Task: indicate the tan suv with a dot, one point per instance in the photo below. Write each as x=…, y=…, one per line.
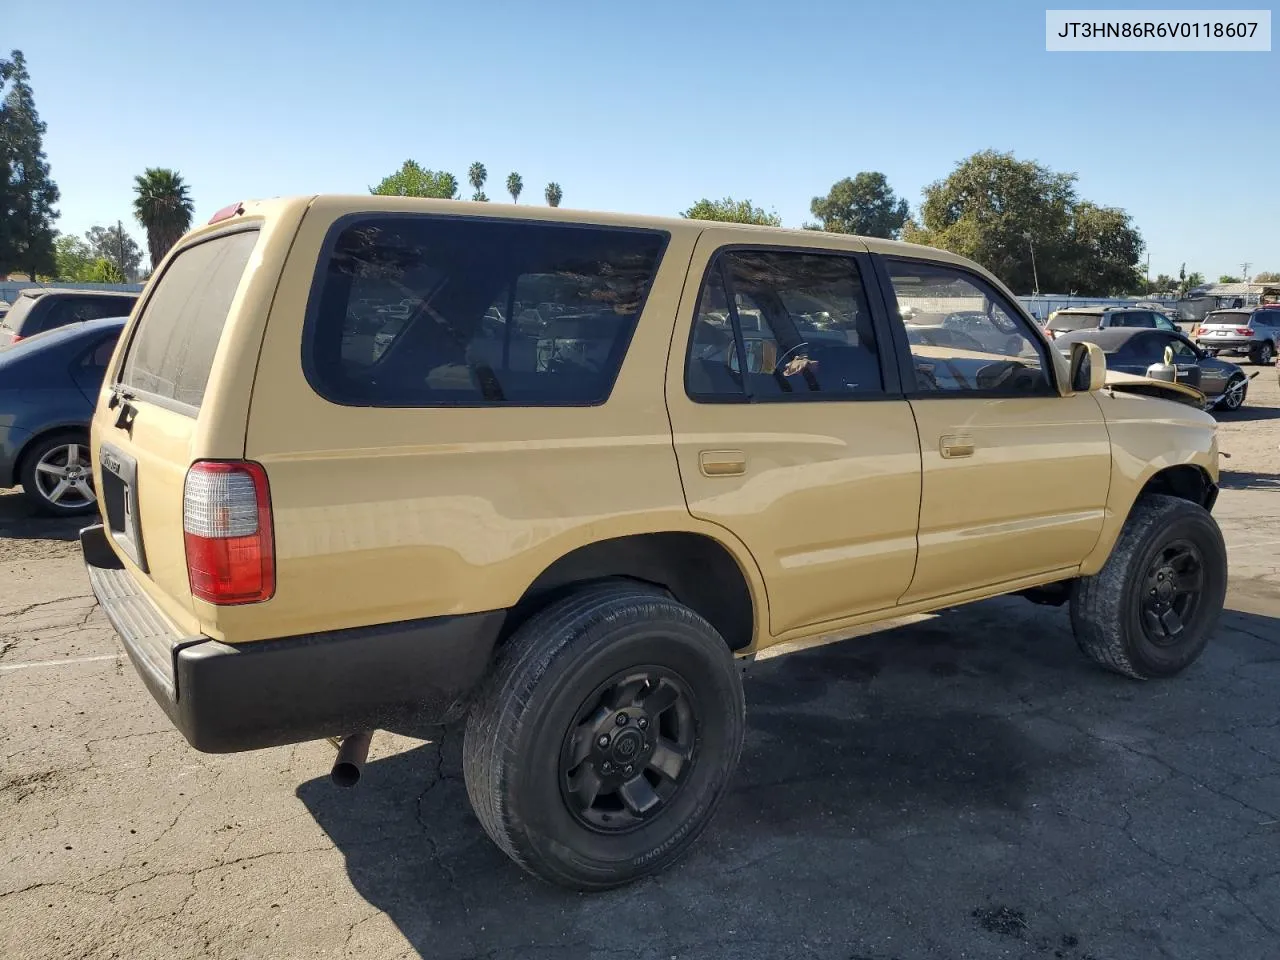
x=365, y=462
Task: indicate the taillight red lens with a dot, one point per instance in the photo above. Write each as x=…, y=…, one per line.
x=226, y=522
x=15, y=337
x=1244, y=331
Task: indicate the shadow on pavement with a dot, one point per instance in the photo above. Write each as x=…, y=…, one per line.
x=965, y=786
x=18, y=519
x=1245, y=480
x=1248, y=413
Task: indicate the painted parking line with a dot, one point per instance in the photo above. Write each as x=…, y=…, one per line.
x=10, y=667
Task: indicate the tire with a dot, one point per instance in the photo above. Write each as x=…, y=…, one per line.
x=1235, y=392
x=40, y=484
x=518, y=745
x=1108, y=615
x=1263, y=354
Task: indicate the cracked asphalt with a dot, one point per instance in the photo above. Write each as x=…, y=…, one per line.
x=964, y=785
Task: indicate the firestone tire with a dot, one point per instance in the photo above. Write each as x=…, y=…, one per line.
x=1129, y=617
x=553, y=679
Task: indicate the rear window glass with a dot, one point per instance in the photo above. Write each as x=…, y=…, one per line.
x=1074, y=321
x=426, y=311
x=17, y=315
x=172, y=350
x=1228, y=319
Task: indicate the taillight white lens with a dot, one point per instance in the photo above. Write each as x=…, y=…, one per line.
x=226, y=521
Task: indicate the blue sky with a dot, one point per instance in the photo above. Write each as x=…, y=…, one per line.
x=647, y=107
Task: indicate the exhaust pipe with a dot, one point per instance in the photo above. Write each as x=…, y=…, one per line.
x=353, y=750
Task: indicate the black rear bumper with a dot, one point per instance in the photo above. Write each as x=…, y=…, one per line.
x=231, y=697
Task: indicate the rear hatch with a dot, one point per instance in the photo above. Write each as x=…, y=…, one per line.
x=178, y=391
x=12, y=323
x=1226, y=326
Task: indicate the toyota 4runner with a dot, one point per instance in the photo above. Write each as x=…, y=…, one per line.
x=367, y=462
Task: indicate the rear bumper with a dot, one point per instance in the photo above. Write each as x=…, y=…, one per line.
x=226, y=698
x=1233, y=344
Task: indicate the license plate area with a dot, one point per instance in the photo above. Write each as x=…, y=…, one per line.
x=120, y=502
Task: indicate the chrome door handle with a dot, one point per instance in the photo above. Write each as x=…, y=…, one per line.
x=952, y=446
x=722, y=463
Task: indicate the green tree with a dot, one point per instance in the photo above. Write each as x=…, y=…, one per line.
x=72, y=258
x=163, y=206
x=554, y=194
x=729, y=210
x=1105, y=250
x=1163, y=283
x=864, y=205
x=113, y=243
x=1227, y=278
x=1195, y=280
x=102, y=270
x=1266, y=276
x=515, y=184
x=1024, y=222
x=476, y=176
x=28, y=192
x=414, y=180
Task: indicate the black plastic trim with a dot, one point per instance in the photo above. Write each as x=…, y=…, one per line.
x=226, y=698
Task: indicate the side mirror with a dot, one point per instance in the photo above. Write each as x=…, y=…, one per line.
x=1088, y=367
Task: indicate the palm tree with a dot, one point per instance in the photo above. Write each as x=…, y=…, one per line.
x=514, y=185
x=477, y=174
x=163, y=206
x=554, y=194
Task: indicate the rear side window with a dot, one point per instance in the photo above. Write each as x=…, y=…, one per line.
x=416, y=311
x=1135, y=319
x=171, y=353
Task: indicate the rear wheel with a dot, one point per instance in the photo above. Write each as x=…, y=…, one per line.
x=1263, y=353
x=605, y=737
x=1151, y=609
x=57, y=475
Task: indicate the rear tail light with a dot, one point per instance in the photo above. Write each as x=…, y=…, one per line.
x=15, y=337
x=226, y=522
x=1244, y=331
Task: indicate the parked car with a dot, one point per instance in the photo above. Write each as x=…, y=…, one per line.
x=304, y=538
x=39, y=309
x=48, y=387
x=1100, y=318
x=1132, y=350
x=1254, y=331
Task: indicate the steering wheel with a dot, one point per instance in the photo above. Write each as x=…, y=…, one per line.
x=1006, y=373
x=781, y=363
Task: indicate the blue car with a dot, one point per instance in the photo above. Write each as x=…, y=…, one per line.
x=48, y=388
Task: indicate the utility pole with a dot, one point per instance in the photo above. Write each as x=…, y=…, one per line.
x=1148, y=290
x=120, y=249
x=1035, y=277
x=1244, y=271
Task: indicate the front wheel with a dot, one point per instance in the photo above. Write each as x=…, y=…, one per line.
x=1150, y=610
x=605, y=737
x=1234, y=393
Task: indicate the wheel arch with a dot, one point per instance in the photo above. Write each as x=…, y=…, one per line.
x=1186, y=481
x=20, y=458
x=699, y=570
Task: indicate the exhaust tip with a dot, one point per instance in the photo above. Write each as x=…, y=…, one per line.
x=345, y=774
x=352, y=753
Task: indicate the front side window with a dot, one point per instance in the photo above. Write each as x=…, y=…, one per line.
x=1000, y=354
x=417, y=311
x=774, y=325
x=1135, y=318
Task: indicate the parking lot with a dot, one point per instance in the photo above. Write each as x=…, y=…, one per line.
x=964, y=785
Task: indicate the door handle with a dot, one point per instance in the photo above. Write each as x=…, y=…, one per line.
x=722, y=463
x=952, y=446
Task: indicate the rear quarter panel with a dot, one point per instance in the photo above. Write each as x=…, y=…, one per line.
x=385, y=514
